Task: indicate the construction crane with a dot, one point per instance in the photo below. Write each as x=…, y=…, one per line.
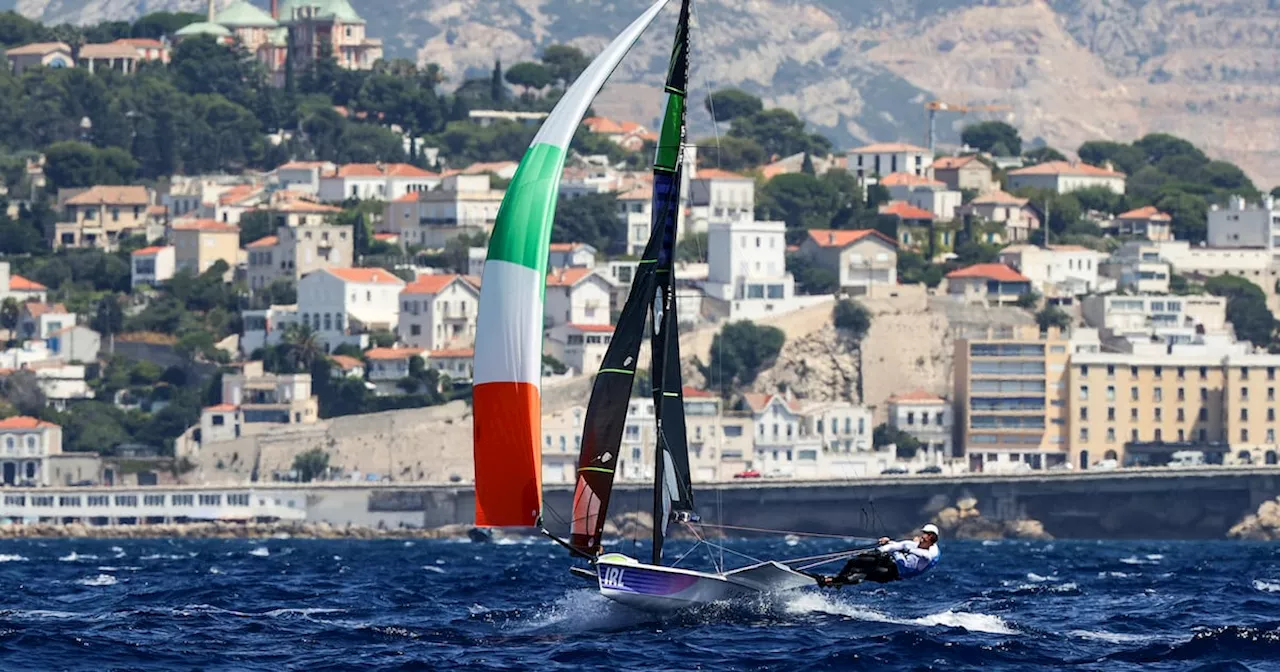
x=936, y=106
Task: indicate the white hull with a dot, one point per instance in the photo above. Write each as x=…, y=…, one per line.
x=657, y=588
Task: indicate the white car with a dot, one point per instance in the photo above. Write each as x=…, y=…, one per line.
x=1105, y=465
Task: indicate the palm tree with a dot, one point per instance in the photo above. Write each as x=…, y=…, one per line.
x=302, y=346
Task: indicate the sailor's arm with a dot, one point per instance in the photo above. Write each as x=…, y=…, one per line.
x=895, y=547
x=926, y=553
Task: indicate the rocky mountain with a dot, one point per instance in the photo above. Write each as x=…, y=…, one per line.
x=1070, y=70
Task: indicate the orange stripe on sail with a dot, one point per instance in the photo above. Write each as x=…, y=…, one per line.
x=508, y=454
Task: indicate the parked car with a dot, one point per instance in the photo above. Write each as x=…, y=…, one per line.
x=750, y=473
x=778, y=473
x=931, y=469
x=1062, y=466
x=1187, y=458
x=894, y=470
x=1106, y=465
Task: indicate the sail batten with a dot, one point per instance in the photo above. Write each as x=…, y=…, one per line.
x=508, y=354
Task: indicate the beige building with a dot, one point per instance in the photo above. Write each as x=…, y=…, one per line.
x=270, y=397
x=1015, y=213
x=1147, y=222
x=462, y=204
x=1067, y=176
x=964, y=172
x=102, y=215
x=297, y=249
x=47, y=54
x=438, y=312
x=1010, y=409
x=26, y=444
x=863, y=260
x=119, y=56
x=199, y=243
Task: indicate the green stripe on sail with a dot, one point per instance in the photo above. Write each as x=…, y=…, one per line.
x=668, y=155
x=522, y=232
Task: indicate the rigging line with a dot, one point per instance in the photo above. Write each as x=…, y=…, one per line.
x=730, y=550
x=840, y=553
x=798, y=533
x=697, y=21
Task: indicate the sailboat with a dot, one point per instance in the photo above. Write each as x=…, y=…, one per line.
x=508, y=356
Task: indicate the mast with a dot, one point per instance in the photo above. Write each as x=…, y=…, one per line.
x=507, y=395
x=672, y=490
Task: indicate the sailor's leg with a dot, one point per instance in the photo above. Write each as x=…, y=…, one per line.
x=884, y=571
x=854, y=571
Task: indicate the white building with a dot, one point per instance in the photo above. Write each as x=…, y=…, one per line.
x=438, y=312
x=61, y=382
x=1138, y=266
x=1241, y=224
x=19, y=288
x=824, y=440
x=456, y=363
x=747, y=274
x=389, y=366
x=1016, y=213
x=75, y=344
x=883, y=158
x=339, y=302
x=463, y=204
x=1066, y=176
x=1169, y=318
x=152, y=265
x=928, y=418
x=219, y=423
x=576, y=296
x=580, y=346
x=1056, y=270
x=265, y=327
x=262, y=397
x=303, y=176
x=571, y=255
x=923, y=192
x=25, y=446
x=719, y=196
x=39, y=320
x=635, y=210
x=375, y=181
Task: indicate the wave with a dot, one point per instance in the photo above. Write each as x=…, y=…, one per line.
x=1148, y=560
x=1109, y=637
x=1032, y=576
x=811, y=602
x=433, y=568
x=12, y=558
x=1266, y=586
x=99, y=580
x=76, y=557
x=125, y=568
x=260, y=552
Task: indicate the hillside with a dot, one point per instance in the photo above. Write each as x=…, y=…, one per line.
x=1071, y=69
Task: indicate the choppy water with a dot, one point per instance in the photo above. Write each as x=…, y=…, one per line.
x=314, y=605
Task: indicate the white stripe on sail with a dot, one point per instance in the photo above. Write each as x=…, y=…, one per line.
x=509, y=325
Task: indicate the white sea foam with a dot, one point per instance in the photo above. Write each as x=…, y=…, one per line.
x=118, y=551
x=215, y=570
x=260, y=552
x=1110, y=637
x=1135, y=560
x=1115, y=575
x=124, y=568
x=585, y=610
x=433, y=568
x=1266, y=586
x=991, y=542
x=160, y=556
x=76, y=557
x=12, y=558
x=99, y=580
x=1032, y=576
x=810, y=602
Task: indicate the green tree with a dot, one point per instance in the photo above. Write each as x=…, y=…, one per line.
x=535, y=76
x=9, y=313
x=497, y=90
x=255, y=225
x=852, y=318
x=802, y=201
x=565, y=62
x=731, y=152
x=158, y=24
x=692, y=248
x=1042, y=155
x=1246, y=308
x=811, y=278
x=302, y=347
x=591, y=219
x=730, y=104
x=311, y=464
x=740, y=352
x=71, y=164
x=994, y=137
x=1053, y=316
x=780, y=133
x=1126, y=158
x=885, y=435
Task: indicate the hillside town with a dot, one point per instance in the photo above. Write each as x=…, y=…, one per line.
x=208, y=311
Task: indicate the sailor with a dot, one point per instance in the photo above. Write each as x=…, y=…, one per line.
x=890, y=561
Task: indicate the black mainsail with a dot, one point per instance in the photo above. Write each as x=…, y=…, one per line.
x=652, y=288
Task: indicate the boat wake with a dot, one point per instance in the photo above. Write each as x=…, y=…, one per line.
x=817, y=603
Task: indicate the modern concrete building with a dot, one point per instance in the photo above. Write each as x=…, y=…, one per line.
x=883, y=158
x=1138, y=266
x=1067, y=176
x=1162, y=317
x=747, y=276
x=1241, y=224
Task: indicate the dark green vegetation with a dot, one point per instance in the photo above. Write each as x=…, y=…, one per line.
x=739, y=353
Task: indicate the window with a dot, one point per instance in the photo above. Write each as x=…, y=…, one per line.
x=1133, y=435
x=98, y=500
x=1204, y=373
x=1244, y=394
x=1133, y=372
x=210, y=500
x=911, y=418
x=1182, y=415
x=1271, y=436
x=1084, y=413
x=1084, y=393
x=1271, y=394
x=1204, y=415
x=1111, y=393
x=126, y=500
x=241, y=499
x=1084, y=370
x=1133, y=394
x=1244, y=414
x=1159, y=394
x=1111, y=414
x=1133, y=414
x=1182, y=394
x=1182, y=372
x=1111, y=435
x=1244, y=435
x=69, y=500
x=1244, y=373
x=1084, y=434
x=1204, y=394
x=1111, y=371
x=153, y=500
x=1159, y=414
x=1159, y=370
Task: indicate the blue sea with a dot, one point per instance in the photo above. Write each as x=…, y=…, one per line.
x=287, y=604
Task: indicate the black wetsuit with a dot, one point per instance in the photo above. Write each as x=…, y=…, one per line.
x=872, y=566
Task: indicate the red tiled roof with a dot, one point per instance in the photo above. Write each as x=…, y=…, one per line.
x=591, y=328
x=345, y=362
x=408, y=197
x=1149, y=213
x=379, y=276
x=37, y=48
x=998, y=272
x=392, y=353
x=148, y=251
x=908, y=180
x=602, y=125
x=265, y=241
x=917, y=396
x=1066, y=168
x=238, y=193
x=904, y=210
x=381, y=170
x=37, y=309
x=642, y=192
x=758, y=402
x=304, y=206
x=695, y=393
x=998, y=197
x=429, y=284
x=220, y=408
x=21, y=284
x=567, y=277
x=207, y=225
x=456, y=353
x=25, y=422
x=841, y=238
x=717, y=174
x=387, y=237
x=483, y=167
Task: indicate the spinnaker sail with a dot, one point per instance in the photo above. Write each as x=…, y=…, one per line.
x=508, y=354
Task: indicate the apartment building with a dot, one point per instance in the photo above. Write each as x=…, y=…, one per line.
x=152, y=265
x=341, y=302
x=101, y=216
x=438, y=312
x=199, y=244
x=747, y=274
x=1067, y=176
x=375, y=181
x=1010, y=405
x=26, y=444
x=1056, y=270
x=1139, y=266
x=717, y=196
x=964, y=172
x=261, y=397
x=460, y=205
x=1164, y=317
x=883, y=158
x=299, y=247
x=1146, y=222
x=927, y=417
x=994, y=284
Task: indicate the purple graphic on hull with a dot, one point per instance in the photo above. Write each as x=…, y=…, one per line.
x=643, y=581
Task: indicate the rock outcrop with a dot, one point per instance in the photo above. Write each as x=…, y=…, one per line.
x=1261, y=526
x=965, y=521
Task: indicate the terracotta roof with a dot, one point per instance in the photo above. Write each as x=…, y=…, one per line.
x=207, y=225
x=37, y=309
x=1066, y=168
x=1149, y=213
x=918, y=396
x=429, y=284
x=717, y=174
x=392, y=353
x=953, y=162
x=998, y=272
x=345, y=362
x=758, y=402
x=25, y=422
x=37, y=48
x=888, y=148
x=238, y=193
x=157, y=209
x=456, y=353
x=643, y=192
x=265, y=241
x=108, y=50
x=379, y=276
x=111, y=195
x=473, y=280
x=220, y=408
x=567, y=277
x=387, y=237
x=904, y=210
x=148, y=251
x=381, y=170
x=21, y=284
x=998, y=197
x=602, y=125
x=592, y=328
x=565, y=247
x=304, y=206
x=908, y=180
x=841, y=238
x=695, y=393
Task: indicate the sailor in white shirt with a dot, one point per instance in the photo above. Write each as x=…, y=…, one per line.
x=890, y=561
